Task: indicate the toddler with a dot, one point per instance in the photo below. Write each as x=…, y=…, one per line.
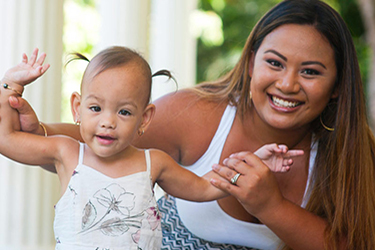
x=107, y=199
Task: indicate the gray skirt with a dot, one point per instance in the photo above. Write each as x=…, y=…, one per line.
x=177, y=237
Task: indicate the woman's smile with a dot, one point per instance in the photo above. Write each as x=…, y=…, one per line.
x=283, y=103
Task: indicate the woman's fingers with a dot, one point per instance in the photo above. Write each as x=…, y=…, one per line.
x=226, y=173
x=249, y=180
x=226, y=187
x=28, y=119
x=244, y=156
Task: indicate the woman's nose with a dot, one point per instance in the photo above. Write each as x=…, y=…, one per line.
x=289, y=84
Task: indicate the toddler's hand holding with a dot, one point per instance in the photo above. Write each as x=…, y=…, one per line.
x=277, y=157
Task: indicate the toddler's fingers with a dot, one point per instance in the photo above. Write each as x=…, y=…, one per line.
x=285, y=169
x=44, y=68
x=293, y=153
x=287, y=162
x=33, y=56
x=24, y=58
x=41, y=58
x=284, y=148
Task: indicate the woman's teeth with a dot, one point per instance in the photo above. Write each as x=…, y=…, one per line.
x=283, y=103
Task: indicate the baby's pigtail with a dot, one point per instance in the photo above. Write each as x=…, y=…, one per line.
x=76, y=56
x=166, y=73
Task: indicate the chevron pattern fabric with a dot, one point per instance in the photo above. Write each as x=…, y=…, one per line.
x=177, y=237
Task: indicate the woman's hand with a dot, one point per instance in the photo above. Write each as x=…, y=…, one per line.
x=256, y=187
x=28, y=118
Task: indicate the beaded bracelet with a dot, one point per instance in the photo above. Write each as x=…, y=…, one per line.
x=6, y=86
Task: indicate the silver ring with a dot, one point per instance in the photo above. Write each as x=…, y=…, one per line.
x=235, y=178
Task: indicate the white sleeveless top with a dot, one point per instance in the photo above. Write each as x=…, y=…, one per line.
x=100, y=212
x=207, y=220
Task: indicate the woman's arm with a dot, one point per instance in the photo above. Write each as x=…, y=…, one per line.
x=183, y=126
x=19, y=146
x=258, y=192
x=29, y=121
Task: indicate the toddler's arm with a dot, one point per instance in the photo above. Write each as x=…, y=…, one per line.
x=22, y=147
x=182, y=183
x=277, y=157
x=14, y=80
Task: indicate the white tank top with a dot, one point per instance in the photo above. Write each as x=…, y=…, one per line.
x=100, y=212
x=207, y=220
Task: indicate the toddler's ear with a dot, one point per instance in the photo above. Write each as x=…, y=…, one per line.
x=147, y=116
x=75, y=103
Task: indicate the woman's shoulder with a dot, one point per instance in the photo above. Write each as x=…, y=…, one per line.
x=187, y=101
x=183, y=125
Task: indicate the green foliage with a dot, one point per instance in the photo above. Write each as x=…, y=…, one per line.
x=352, y=16
x=239, y=17
x=80, y=35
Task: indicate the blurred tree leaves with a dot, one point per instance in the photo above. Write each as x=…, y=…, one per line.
x=81, y=34
x=238, y=17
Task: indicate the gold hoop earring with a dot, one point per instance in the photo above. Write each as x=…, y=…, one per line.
x=77, y=122
x=141, y=132
x=324, y=126
x=250, y=95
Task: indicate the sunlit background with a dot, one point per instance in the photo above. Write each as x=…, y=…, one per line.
x=198, y=40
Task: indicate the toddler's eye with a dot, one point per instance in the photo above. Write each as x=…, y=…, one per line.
x=124, y=112
x=95, y=108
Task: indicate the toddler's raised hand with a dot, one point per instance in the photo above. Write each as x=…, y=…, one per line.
x=277, y=157
x=28, y=70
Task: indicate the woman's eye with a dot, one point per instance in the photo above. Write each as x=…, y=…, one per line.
x=95, y=108
x=124, y=112
x=274, y=63
x=310, y=72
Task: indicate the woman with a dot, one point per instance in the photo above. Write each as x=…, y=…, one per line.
x=297, y=83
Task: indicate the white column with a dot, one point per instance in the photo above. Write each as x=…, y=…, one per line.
x=124, y=23
x=27, y=194
x=172, y=46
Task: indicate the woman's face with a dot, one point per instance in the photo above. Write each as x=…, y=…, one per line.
x=292, y=75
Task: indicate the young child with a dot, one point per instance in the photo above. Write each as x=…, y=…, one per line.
x=107, y=199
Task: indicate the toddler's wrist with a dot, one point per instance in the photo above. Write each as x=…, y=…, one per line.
x=12, y=86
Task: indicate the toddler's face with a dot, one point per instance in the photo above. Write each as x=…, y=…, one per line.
x=111, y=109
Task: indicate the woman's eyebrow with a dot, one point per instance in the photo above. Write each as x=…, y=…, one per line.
x=276, y=53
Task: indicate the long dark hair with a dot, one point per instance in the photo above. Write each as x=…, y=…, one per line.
x=343, y=187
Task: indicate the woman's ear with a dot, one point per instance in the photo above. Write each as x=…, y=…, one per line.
x=75, y=103
x=147, y=116
x=335, y=93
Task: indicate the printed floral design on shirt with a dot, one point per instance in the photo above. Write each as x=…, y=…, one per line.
x=115, y=199
x=154, y=218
